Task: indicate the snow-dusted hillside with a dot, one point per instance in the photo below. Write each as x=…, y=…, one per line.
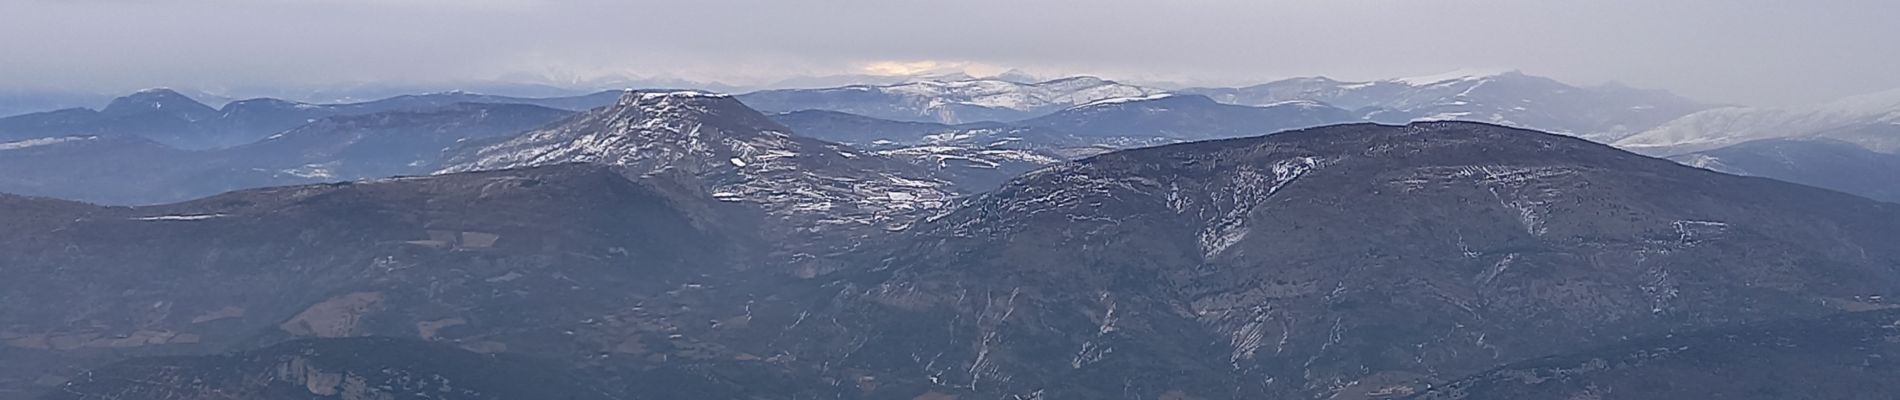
x=1858, y=119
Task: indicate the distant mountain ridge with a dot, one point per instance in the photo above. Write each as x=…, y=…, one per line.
x=1823, y=163
x=986, y=154
x=1602, y=113
x=130, y=169
x=171, y=118
x=1872, y=121
x=948, y=101
x=1508, y=97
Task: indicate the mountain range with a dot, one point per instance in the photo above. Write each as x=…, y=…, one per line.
x=415, y=134
x=654, y=245
x=952, y=238
x=1604, y=113
x=130, y=169
x=984, y=154
x=173, y=119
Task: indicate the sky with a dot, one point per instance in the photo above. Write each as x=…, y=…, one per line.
x=1755, y=52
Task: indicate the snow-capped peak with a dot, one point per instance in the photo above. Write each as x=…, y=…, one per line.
x=740, y=154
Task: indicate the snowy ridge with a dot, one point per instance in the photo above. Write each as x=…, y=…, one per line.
x=1120, y=100
x=681, y=93
x=179, y=217
x=1016, y=96
x=21, y=144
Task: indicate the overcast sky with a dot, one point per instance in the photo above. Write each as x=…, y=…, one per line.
x=1736, y=51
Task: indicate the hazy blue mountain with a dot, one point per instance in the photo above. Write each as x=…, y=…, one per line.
x=25, y=101
x=858, y=130
x=1824, y=163
x=983, y=155
x=176, y=120
x=129, y=169
x=1185, y=118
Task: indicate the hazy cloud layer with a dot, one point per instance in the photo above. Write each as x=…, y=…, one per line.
x=1745, y=51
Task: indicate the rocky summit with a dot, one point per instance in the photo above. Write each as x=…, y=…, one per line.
x=829, y=194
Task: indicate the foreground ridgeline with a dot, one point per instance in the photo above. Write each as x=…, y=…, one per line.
x=1846, y=356
x=681, y=245
x=341, y=368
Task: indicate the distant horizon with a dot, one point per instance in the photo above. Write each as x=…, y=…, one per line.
x=217, y=97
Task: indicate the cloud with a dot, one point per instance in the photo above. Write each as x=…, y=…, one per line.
x=901, y=67
x=922, y=67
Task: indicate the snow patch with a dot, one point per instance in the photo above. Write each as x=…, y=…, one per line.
x=179, y=217
x=1120, y=100
x=43, y=142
